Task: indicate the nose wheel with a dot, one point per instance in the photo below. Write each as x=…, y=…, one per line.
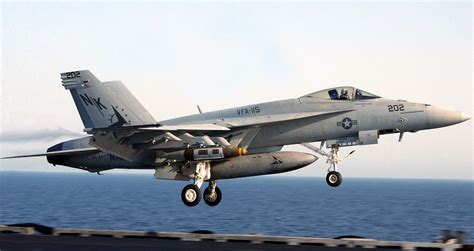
x=334, y=178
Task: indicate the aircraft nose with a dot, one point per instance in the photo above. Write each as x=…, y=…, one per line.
x=440, y=117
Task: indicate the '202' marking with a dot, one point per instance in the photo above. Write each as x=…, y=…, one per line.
x=396, y=108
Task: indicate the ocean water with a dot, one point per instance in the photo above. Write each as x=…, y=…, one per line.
x=385, y=209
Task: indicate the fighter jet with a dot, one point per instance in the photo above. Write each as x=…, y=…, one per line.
x=232, y=143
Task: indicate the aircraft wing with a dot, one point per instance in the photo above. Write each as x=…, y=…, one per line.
x=58, y=153
x=133, y=142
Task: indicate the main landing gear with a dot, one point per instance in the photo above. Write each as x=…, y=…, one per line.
x=191, y=194
x=333, y=178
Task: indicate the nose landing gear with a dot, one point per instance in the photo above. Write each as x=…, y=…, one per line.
x=333, y=178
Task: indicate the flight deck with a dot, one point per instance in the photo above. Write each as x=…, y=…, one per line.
x=38, y=237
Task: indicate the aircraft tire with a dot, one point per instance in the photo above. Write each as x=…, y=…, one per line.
x=215, y=201
x=334, y=178
x=191, y=195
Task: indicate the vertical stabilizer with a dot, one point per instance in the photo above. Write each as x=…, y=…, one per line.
x=108, y=104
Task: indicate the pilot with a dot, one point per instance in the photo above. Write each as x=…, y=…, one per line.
x=344, y=95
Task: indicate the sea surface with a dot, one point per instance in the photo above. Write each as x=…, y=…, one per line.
x=384, y=209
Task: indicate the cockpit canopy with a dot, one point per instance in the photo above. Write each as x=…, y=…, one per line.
x=342, y=93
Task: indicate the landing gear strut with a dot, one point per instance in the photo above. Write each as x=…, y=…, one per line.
x=191, y=194
x=333, y=178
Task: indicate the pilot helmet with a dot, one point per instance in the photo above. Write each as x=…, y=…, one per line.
x=344, y=91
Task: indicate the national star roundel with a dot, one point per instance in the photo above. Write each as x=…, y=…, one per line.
x=347, y=123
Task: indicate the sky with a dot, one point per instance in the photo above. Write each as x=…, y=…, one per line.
x=174, y=56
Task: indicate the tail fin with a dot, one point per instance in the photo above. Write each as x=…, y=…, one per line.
x=108, y=104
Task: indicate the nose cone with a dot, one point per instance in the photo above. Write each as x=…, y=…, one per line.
x=440, y=117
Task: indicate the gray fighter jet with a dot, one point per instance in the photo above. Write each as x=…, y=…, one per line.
x=231, y=143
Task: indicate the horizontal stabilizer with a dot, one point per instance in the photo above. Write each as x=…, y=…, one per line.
x=58, y=153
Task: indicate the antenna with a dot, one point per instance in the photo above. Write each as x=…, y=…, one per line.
x=199, y=109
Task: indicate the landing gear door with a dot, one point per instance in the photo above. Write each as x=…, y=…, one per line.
x=368, y=137
x=363, y=138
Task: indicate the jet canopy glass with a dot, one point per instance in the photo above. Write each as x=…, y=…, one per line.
x=342, y=93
